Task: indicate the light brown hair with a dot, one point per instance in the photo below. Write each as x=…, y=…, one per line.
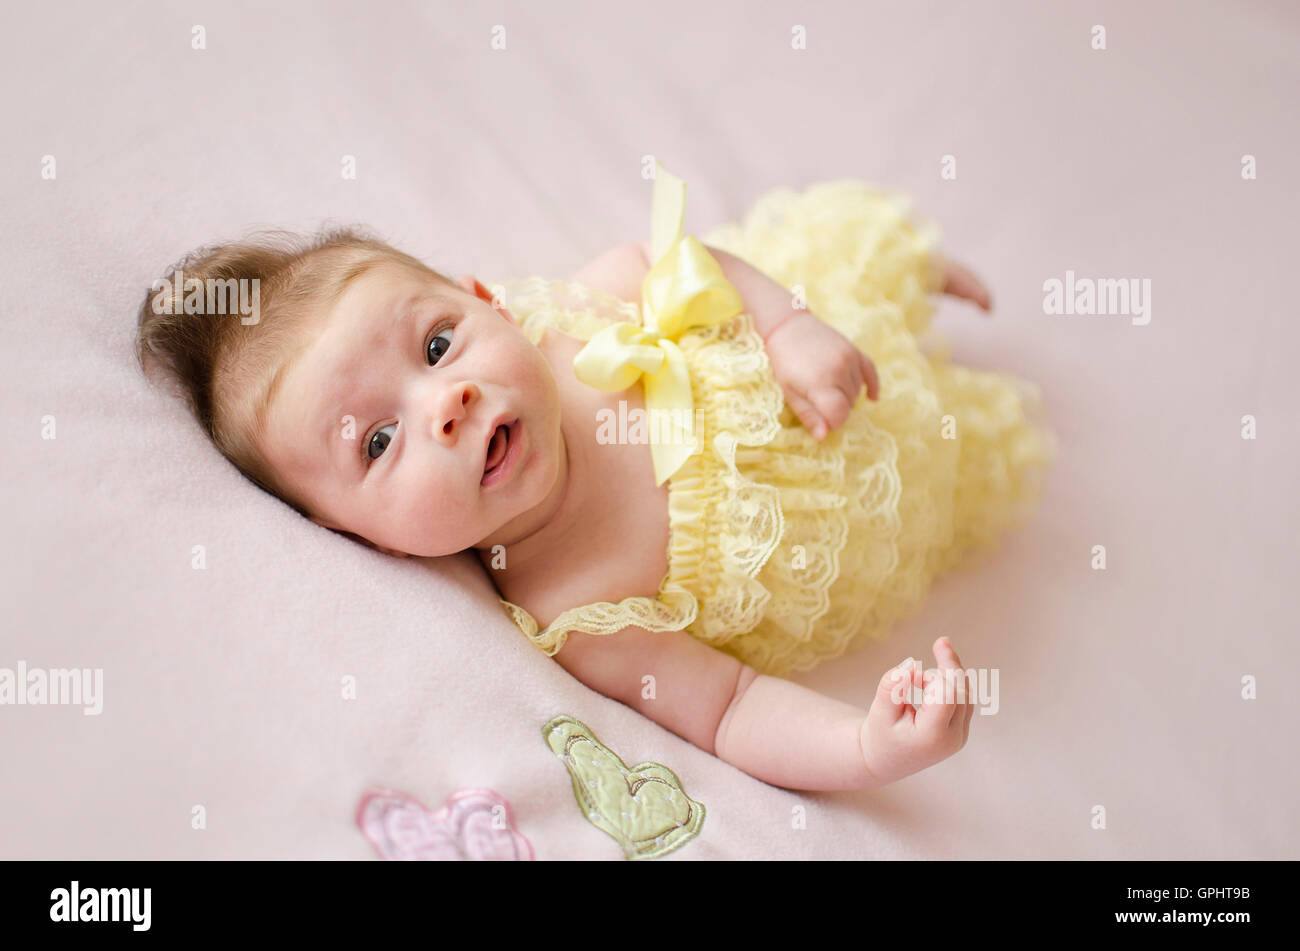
x=229, y=369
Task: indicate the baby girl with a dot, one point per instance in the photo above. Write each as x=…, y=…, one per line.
x=776, y=517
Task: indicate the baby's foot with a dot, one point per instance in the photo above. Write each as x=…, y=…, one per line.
x=960, y=281
x=898, y=738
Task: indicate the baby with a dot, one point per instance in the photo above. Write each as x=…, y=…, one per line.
x=423, y=416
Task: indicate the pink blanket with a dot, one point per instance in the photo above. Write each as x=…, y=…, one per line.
x=261, y=675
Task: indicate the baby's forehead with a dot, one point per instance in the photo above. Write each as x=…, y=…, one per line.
x=375, y=279
x=334, y=351
x=383, y=307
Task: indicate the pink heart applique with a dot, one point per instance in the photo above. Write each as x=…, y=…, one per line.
x=475, y=824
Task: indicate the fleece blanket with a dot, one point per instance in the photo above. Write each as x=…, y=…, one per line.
x=269, y=689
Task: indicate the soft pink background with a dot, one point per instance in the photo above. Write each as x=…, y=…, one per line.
x=1118, y=688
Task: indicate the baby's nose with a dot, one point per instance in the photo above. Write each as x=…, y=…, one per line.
x=452, y=411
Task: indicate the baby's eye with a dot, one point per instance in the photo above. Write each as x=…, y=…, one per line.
x=379, y=441
x=438, y=346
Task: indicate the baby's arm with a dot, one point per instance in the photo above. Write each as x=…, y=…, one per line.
x=619, y=271
x=622, y=269
x=775, y=730
x=821, y=373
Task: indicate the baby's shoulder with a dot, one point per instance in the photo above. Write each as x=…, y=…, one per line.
x=573, y=308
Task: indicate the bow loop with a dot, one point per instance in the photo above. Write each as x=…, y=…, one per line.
x=684, y=290
x=615, y=357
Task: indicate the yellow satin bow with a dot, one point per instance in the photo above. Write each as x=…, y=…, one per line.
x=684, y=290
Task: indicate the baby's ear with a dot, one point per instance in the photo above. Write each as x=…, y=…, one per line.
x=474, y=286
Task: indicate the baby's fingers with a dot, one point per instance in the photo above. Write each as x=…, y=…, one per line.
x=940, y=699
x=808, y=414
x=955, y=685
x=832, y=406
x=870, y=375
x=894, y=692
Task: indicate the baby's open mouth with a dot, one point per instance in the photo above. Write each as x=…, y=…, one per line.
x=498, y=446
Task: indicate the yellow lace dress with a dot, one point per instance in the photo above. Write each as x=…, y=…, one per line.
x=784, y=550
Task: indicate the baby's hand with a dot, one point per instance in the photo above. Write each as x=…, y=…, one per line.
x=899, y=739
x=820, y=370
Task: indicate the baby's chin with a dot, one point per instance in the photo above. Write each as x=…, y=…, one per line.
x=409, y=548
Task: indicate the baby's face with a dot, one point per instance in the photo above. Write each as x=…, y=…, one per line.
x=384, y=425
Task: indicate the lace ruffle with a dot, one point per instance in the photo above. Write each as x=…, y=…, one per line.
x=573, y=309
x=784, y=551
x=725, y=523
x=943, y=464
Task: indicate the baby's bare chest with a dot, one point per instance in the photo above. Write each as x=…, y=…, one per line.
x=618, y=546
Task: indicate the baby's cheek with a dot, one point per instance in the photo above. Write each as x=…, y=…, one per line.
x=541, y=378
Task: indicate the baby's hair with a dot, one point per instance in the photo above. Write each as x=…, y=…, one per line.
x=228, y=366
